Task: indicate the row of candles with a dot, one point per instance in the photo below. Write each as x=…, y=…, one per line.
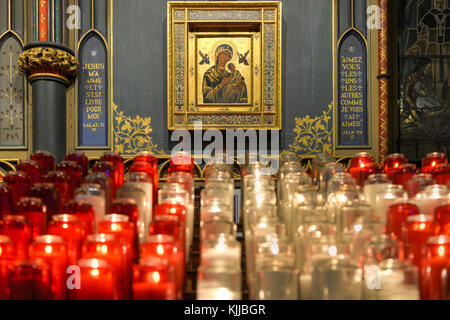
x=67, y=233
x=359, y=233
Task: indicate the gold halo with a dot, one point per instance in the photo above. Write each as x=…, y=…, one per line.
x=229, y=42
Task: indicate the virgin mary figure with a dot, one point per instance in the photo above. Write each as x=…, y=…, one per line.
x=221, y=85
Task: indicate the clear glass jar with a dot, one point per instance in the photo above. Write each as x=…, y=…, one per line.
x=327, y=173
x=317, y=165
x=418, y=183
x=95, y=196
x=218, y=284
x=131, y=191
x=374, y=184
x=385, y=198
x=338, y=180
x=431, y=198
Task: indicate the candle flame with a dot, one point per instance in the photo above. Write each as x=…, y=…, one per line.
x=65, y=226
x=173, y=210
x=441, y=251
x=332, y=251
x=95, y=272
x=104, y=248
x=396, y=165
x=160, y=250
x=156, y=277
x=422, y=226
x=433, y=164
x=48, y=249
x=362, y=164
x=114, y=227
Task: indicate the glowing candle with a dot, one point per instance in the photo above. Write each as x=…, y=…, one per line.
x=397, y=215
x=69, y=228
x=51, y=252
x=170, y=225
x=393, y=163
x=84, y=212
x=34, y=211
x=404, y=174
x=359, y=166
x=19, y=230
x=433, y=160
x=442, y=219
x=416, y=231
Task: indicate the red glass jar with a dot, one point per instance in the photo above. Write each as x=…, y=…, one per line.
x=393, y=163
x=129, y=208
x=397, y=215
x=20, y=184
x=69, y=228
x=441, y=174
x=7, y=256
x=81, y=159
x=436, y=256
x=49, y=195
x=61, y=181
x=171, y=225
x=5, y=200
x=51, y=253
x=123, y=229
x=182, y=162
x=27, y=281
x=416, y=231
x=74, y=171
x=45, y=160
x=110, y=249
x=164, y=246
x=171, y=209
x=404, y=174
x=84, y=212
x=433, y=160
x=20, y=231
x=442, y=219
x=146, y=163
x=34, y=210
x=98, y=281
x=361, y=166
x=418, y=183
x=154, y=279
x=31, y=168
x=110, y=170
x=117, y=160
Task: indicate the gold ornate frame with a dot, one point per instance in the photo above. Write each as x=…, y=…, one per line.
x=189, y=23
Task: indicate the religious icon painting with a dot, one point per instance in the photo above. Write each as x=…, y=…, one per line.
x=224, y=65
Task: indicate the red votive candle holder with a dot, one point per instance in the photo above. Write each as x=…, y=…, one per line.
x=98, y=281
x=5, y=200
x=171, y=225
x=397, y=215
x=404, y=174
x=49, y=195
x=20, y=231
x=84, y=212
x=45, y=160
x=442, y=174
x=361, y=166
x=393, y=163
x=418, y=183
x=111, y=171
x=51, y=252
x=436, y=256
x=154, y=279
x=80, y=158
x=172, y=210
x=69, y=228
x=433, y=160
x=20, y=184
x=27, y=281
x=442, y=219
x=61, y=181
x=7, y=256
x=182, y=162
x=74, y=171
x=129, y=208
x=110, y=249
x=34, y=210
x=117, y=160
x=31, y=168
x=147, y=163
x=164, y=246
x=415, y=233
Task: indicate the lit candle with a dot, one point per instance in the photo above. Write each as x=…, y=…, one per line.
x=397, y=215
x=80, y=158
x=164, y=246
x=5, y=200
x=34, y=211
x=150, y=167
x=416, y=231
x=442, y=219
x=69, y=228
x=93, y=195
x=31, y=168
x=442, y=174
x=61, y=181
x=98, y=281
x=435, y=258
x=49, y=196
x=109, y=248
x=7, y=255
x=170, y=225
x=20, y=184
x=154, y=279
x=433, y=160
x=74, y=171
x=45, y=160
x=393, y=163
x=51, y=252
x=19, y=230
x=404, y=174
x=84, y=212
x=360, y=166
